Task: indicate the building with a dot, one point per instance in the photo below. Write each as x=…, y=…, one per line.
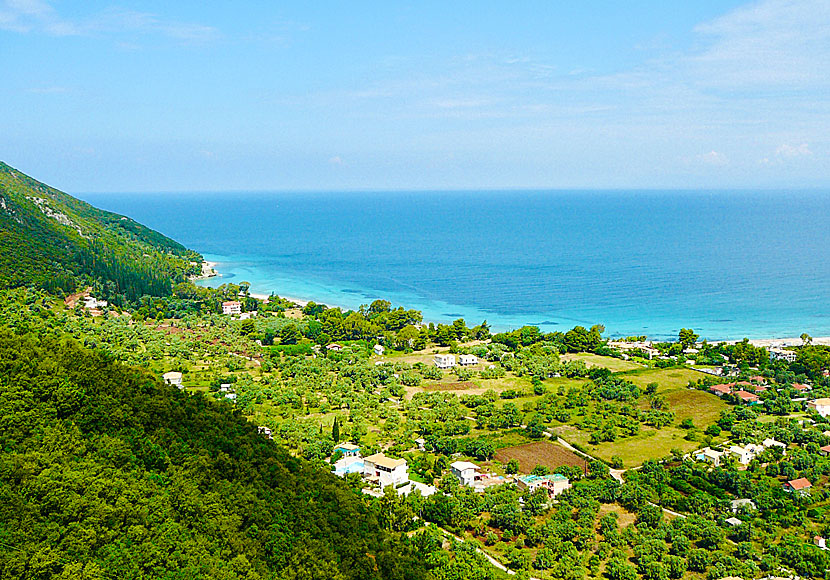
x=231, y=397
x=781, y=354
x=555, y=483
x=173, y=378
x=820, y=406
x=625, y=346
x=385, y=470
x=445, y=361
x=721, y=390
x=466, y=360
x=347, y=449
x=733, y=521
x=802, y=388
x=739, y=504
x=378, y=349
x=232, y=307
x=825, y=450
x=265, y=431
x=773, y=443
x=747, y=397
x=90, y=303
x=801, y=486
x=743, y=455
x=333, y=347
x=247, y=315
x=466, y=472
x=709, y=455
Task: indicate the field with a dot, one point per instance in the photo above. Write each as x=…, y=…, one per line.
x=594, y=360
x=544, y=453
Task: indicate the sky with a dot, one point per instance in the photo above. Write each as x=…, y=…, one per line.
x=193, y=96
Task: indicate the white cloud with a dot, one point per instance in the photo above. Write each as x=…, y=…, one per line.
x=713, y=158
x=36, y=16
x=787, y=151
x=336, y=160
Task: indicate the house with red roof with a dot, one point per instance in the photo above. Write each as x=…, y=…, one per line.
x=802, y=388
x=721, y=390
x=801, y=486
x=747, y=397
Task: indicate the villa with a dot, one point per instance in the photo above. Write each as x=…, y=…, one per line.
x=173, y=378
x=820, y=406
x=378, y=349
x=709, y=455
x=800, y=486
x=555, y=483
x=232, y=307
x=781, y=354
x=445, y=361
x=385, y=470
x=466, y=472
x=467, y=359
x=347, y=449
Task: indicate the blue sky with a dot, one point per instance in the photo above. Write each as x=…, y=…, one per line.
x=167, y=96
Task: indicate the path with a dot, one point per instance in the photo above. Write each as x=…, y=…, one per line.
x=490, y=558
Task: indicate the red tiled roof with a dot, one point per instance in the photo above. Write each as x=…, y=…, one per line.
x=801, y=483
x=726, y=389
x=801, y=387
x=745, y=396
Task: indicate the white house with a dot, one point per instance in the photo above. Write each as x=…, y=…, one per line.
x=466, y=472
x=445, y=361
x=347, y=449
x=385, y=470
x=738, y=504
x=709, y=455
x=741, y=454
x=247, y=315
x=820, y=406
x=467, y=359
x=378, y=349
x=173, y=378
x=781, y=354
x=232, y=307
x=555, y=483
x=231, y=396
x=90, y=303
x=773, y=443
x=225, y=388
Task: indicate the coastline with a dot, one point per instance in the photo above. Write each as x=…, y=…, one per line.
x=762, y=340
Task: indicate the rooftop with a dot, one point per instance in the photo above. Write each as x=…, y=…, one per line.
x=383, y=461
x=800, y=483
x=462, y=465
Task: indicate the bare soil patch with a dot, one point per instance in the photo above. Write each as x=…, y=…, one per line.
x=544, y=453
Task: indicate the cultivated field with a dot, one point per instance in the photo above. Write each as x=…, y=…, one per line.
x=594, y=360
x=544, y=453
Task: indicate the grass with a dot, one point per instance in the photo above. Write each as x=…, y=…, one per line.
x=609, y=362
x=667, y=379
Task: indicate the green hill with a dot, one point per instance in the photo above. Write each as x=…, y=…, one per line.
x=54, y=241
x=106, y=473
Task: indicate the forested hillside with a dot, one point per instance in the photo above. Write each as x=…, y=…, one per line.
x=51, y=240
x=106, y=473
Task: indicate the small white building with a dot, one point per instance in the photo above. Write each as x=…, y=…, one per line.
x=466, y=472
x=466, y=360
x=232, y=307
x=385, y=470
x=173, y=378
x=733, y=521
x=231, y=397
x=773, y=443
x=781, y=354
x=555, y=483
x=225, y=388
x=820, y=406
x=378, y=349
x=744, y=503
x=445, y=361
x=91, y=303
x=265, y=431
x=247, y=315
x=347, y=449
x=709, y=455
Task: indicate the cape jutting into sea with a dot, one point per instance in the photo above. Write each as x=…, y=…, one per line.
x=729, y=264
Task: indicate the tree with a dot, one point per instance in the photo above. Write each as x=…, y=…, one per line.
x=335, y=430
x=806, y=339
x=687, y=337
x=512, y=466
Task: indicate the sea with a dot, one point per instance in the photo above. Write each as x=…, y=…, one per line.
x=728, y=264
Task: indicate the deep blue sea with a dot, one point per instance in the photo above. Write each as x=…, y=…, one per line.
x=728, y=264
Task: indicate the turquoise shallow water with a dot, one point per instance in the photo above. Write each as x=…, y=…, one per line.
x=728, y=264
